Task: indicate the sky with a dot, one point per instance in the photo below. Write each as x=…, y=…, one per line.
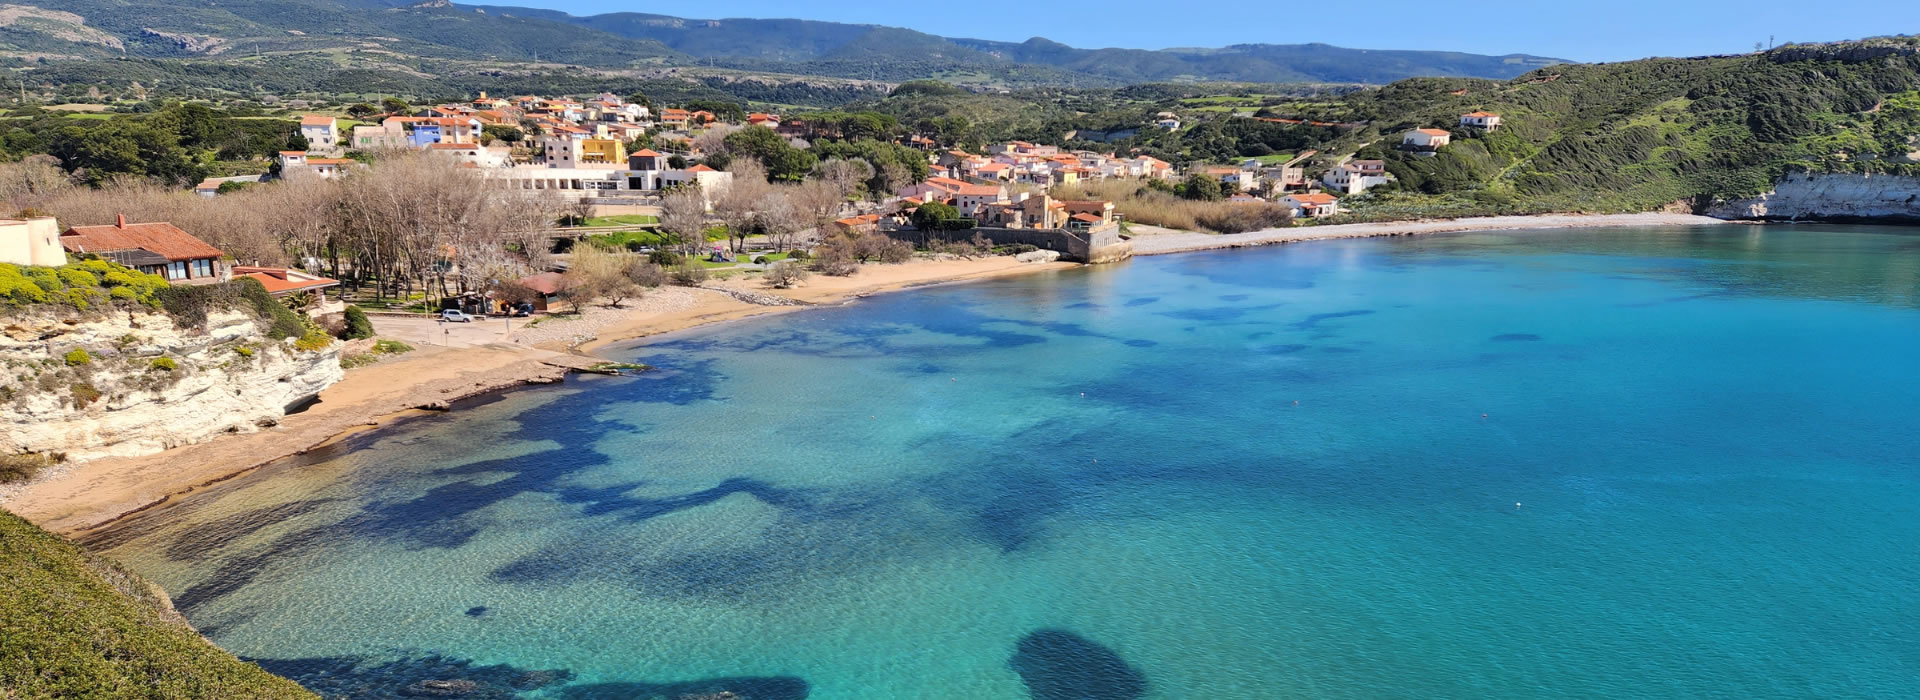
x=1579, y=30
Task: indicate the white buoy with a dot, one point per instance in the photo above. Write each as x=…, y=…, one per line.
x=1516, y=505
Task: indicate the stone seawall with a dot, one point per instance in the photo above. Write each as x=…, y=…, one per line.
x=1095, y=247
x=1837, y=196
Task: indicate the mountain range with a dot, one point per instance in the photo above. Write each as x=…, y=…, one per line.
x=398, y=30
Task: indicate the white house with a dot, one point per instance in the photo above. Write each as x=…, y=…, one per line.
x=322, y=133
x=1356, y=176
x=1311, y=205
x=1481, y=120
x=1425, y=139
x=972, y=198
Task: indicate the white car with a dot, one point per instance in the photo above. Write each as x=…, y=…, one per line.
x=455, y=316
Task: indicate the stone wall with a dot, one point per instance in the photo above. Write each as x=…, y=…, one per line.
x=1840, y=196
x=1098, y=246
x=123, y=400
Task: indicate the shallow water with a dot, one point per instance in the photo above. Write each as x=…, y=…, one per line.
x=1630, y=463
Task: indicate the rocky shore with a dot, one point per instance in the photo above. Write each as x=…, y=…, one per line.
x=1162, y=244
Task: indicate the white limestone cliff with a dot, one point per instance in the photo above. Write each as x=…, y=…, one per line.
x=1830, y=196
x=123, y=400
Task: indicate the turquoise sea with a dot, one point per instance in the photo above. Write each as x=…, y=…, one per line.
x=1663, y=462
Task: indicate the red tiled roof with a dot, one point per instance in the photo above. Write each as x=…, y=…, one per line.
x=701, y=168
x=208, y=184
x=315, y=120
x=293, y=153
x=1432, y=132
x=979, y=190
x=1479, y=114
x=1313, y=198
x=645, y=153
x=1089, y=218
x=280, y=279
x=163, y=238
x=331, y=161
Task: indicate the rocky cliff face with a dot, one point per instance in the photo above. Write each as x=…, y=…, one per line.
x=1834, y=196
x=137, y=383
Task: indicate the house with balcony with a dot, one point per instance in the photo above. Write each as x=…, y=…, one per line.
x=1427, y=141
x=1356, y=176
x=1311, y=205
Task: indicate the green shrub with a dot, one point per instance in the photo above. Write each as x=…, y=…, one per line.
x=81, y=626
x=762, y=260
x=664, y=258
x=313, y=341
x=358, y=325
x=190, y=305
x=244, y=351
x=161, y=364
x=77, y=357
x=797, y=254
x=391, y=347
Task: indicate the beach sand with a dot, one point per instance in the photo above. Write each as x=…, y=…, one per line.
x=86, y=496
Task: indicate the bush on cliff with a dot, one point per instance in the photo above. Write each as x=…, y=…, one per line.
x=358, y=325
x=80, y=285
x=74, y=625
x=190, y=305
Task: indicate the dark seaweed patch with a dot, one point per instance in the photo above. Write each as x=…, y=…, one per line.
x=1061, y=665
x=1516, y=338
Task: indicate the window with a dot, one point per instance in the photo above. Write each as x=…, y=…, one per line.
x=203, y=268
x=177, y=270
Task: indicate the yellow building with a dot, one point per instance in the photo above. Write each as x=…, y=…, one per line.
x=603, y=152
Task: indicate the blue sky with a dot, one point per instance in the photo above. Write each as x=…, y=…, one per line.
x=1580, y=30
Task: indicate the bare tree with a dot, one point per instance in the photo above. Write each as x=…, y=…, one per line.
x=739, y=203
x=683, y=215
x=714, y=139
x=599, y=273
x=819, y=202
x=892, y=178
x=779, y=218
x=785, y=273
x=845, y=176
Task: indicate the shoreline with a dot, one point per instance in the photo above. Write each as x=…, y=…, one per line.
x=93, y=495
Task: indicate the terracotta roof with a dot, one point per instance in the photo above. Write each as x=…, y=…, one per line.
x=1313, y=198
x=293, y=153
x=548, y=283
x=645, y=153
x=331, y=161
x=979, y=190
x=702, y=168
x=860, y=220
x=995, y=167
x=1431, y=132
x=208, y=184
x=162, y=238
x=1479, y=114
x=1089, y=218
x=279, y=280
x=316, y=120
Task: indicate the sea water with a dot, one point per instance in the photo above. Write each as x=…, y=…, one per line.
x=1661, y=462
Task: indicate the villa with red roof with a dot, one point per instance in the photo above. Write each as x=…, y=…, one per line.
x=155, y=248
x=1481, y=120
x=1428, y=140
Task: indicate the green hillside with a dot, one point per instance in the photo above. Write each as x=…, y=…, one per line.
x=1643, y=134
x=73, y=625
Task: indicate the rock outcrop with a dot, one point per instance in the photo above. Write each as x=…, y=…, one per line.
x=132, y=383
x=1838, y=196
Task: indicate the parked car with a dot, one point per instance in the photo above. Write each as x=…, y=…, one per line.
x=455, y=316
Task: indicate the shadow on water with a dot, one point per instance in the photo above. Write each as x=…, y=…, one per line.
x=440, y=676
x=1061, y=665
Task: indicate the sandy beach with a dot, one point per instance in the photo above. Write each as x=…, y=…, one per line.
x=78, y=498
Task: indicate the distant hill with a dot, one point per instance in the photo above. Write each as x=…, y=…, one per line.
x=357, y=32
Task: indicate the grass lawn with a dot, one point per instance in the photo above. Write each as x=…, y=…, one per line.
x=1274, y=159
x=623, y=220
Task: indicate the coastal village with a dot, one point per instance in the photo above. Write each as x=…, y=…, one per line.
x=339, y=303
